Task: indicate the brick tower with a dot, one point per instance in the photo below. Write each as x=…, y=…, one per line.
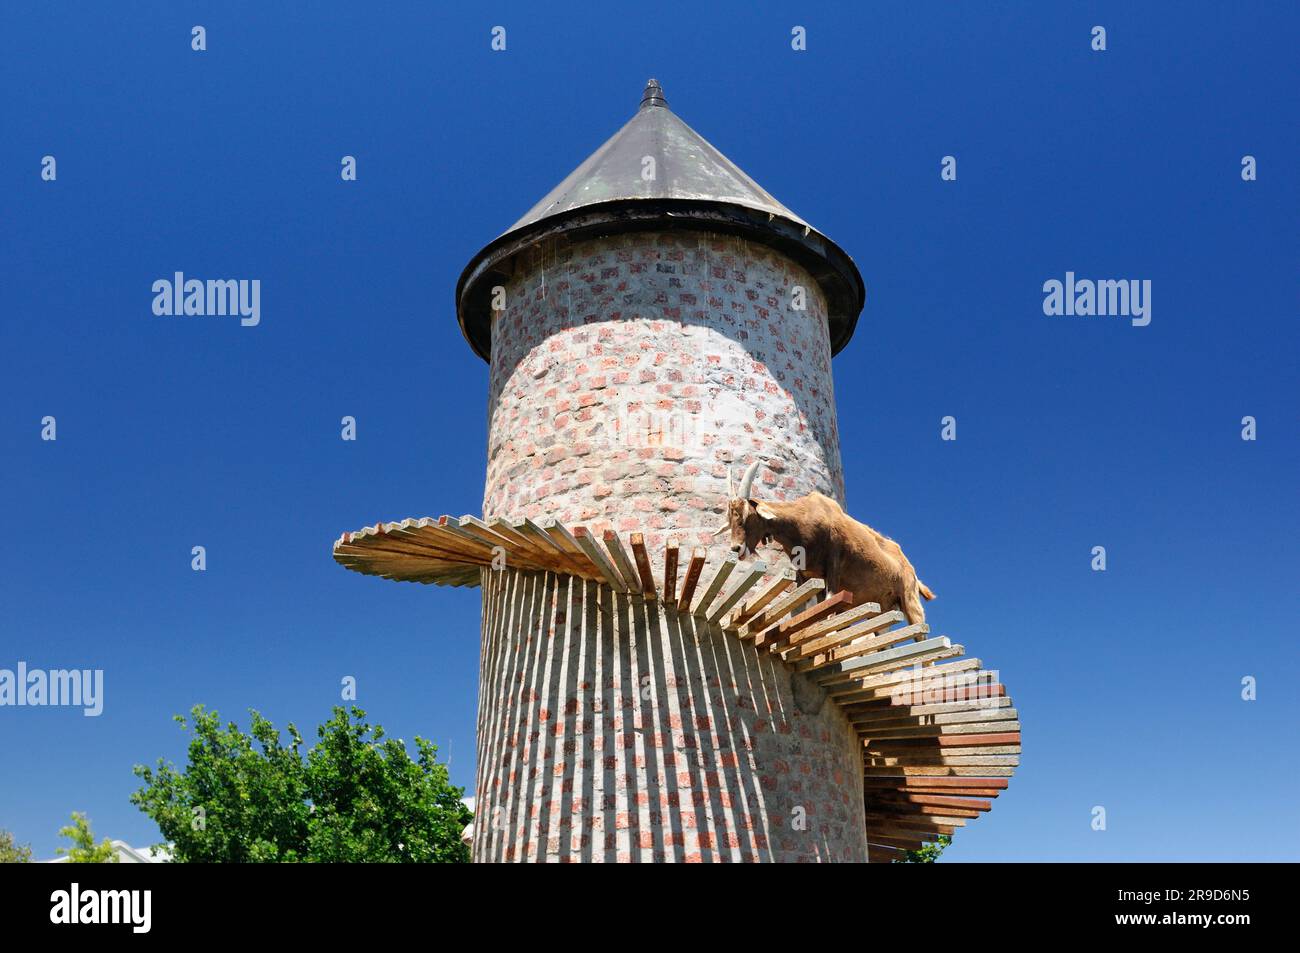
x=655, y=320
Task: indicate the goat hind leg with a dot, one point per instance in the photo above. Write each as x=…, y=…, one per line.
x=912, y=607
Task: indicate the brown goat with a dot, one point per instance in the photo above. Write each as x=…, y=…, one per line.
x=824, y=542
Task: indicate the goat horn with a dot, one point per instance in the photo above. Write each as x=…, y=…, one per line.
x=731, y=483
x=747, y=482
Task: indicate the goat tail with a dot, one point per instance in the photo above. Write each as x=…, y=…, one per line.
x=924, y=589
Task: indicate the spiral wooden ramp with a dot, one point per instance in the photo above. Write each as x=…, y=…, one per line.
x=940, y=738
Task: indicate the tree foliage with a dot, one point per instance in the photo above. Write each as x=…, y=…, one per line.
x=12, y=852
x=928, y=853
x=354, y=797
x=84, y=850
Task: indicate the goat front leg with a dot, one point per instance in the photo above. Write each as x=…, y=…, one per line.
x=832, y=576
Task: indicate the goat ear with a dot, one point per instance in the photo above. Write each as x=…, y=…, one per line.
x=763, y=510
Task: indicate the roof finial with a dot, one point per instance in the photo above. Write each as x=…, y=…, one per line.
x=653, y=95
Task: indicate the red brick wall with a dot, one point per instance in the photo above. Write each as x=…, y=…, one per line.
x=629, y=371
x=627, y=374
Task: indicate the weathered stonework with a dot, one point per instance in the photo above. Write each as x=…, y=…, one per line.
x=629, y=372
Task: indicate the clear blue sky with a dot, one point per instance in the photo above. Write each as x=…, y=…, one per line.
x=1072, y=432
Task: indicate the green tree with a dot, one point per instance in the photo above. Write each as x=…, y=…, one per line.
x=83, y=849
x=928, y=853
x=354, y=797
x=12, y=852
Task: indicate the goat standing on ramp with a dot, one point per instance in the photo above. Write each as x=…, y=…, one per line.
x=835, y=547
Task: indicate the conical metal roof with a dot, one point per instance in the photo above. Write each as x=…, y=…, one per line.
x=686, y=167
x=658, y=172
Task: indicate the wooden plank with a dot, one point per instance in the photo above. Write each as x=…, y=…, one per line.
x=920, y=823
x=909, y=684
x=583, y=538
x=935, y=800
x=990, y=738
x=920, y=744
x=920, y=818
x=923, y=831
x=642, y=559
x=940, y=772
x=789, y=602
x=788, y=628
x=943, y=718
x=903, y=684
x=428, y=532
x=560, y=535
x=884, y=709
x=921, y=689
x=402, y=538
x=855, y=680
x=992, y=760
x=901, y=828
x=539, y=538
x=715, y=585
x=880, y=816
x=911, y=825
x=750, y=579
x=918, y=786
x=670, y=572
x=973, y=694
x=693, y=570
x=818, y=612
x=899, y=842
x=934, y=731
x=401, y=567
x=390, y=542
x=864, y=646
x=522, y=549
x=962, y=759
x=919, y=706
x=928, y=826
x=792, y=601
x=946, y=783
x=808, y=650
x=503, y=528
x=962, y=794
x=889, y=836
x=979, y=792
x=903, y=655
x=398, y=561
x=614, y=546
x=479, y=529
x=834, y=625
x=451, y=525
x=925, y=747
x=982, y=792
x=425, y=540
x=782, y=583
